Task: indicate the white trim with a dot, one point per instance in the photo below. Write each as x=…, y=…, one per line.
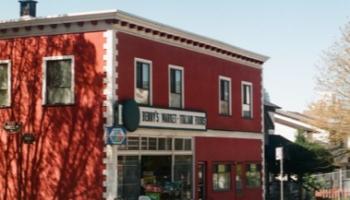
x=150, y=77
x=225, y=78
x=262, y=109
x=9, y=86
x=56, y=58
x=110, y=69
x=152, y=132
x=182, y=84
x=243, y=83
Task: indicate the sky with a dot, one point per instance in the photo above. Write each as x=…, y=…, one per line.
x=294, y=34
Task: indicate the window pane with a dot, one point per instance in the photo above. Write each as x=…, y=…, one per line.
x=172, y=80
x=4, y=76
x=152, y=143
x=4, y=87
x=128, y=177
x=179, y=144
x=239, y=178
x=59, y=95
x=221, y=177
x=188, y=145
x=253, y=175
x=247, y=101
x=169, y=144
x=178, y=81
x=246, y=94
x=183, y=176
x=161, y=144
x=3, y=98
x=59, y=73
x=225, y=97
x=139, y=75
x=144, y=143
x=59, y=81
x=133, y=143
x=142, y=93
x=176, y=88
x=175, y=100
x=145, y=76
x=224, y=107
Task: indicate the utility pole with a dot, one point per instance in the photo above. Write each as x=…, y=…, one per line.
x=279, y=156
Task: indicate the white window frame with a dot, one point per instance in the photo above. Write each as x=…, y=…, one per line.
x=150, y=78
x=53, y=58
x=225, y=78
x=9, y=78
x=182, y=83
x=251, y=96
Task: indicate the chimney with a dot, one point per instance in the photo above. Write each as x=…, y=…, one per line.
x=27, y=8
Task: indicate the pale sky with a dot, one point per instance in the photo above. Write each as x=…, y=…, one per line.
x=292, y=33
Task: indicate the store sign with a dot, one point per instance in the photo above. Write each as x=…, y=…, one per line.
x=279, y=153
x=116, y=136
x=168, y=118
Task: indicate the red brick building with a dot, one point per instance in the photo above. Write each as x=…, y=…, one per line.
x=66, y=78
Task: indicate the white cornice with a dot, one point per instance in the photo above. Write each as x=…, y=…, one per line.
x=166, y=28
x=13, y=25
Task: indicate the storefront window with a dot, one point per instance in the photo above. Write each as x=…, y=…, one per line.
x=222, y=177
x=128, y=177
x=183, y=176
x=239, y=178
x=183, y=144
x=151, y=144
x=253, y=175
x=159, y=176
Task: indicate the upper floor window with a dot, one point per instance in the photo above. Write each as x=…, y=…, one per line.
x=247, y=100
x=5, y=83
x=58, y=80
x=224, y=95
x=176, y=87
x=143, y=82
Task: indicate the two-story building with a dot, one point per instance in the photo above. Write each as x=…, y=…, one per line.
x=70, y=82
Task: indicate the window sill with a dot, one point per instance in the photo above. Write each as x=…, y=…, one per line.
x=59, y=105
x=225, y=115
x=228, y=190
x=247, y=118
x=5, y=107
x=253, y=187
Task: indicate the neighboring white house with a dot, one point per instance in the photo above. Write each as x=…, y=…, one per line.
x=289, y=124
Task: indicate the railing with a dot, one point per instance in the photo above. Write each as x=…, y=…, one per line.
x=334, y=185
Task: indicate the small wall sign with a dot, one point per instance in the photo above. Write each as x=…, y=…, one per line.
x=12, y=126
x=116, y=136
x=28, y=138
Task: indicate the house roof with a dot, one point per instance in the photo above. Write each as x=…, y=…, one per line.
x=296, y=120
x=121, y=18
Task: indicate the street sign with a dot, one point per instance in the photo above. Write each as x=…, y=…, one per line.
x=116, y=136
x=279, y=153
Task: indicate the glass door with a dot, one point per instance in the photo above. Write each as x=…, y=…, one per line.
x=201, y=175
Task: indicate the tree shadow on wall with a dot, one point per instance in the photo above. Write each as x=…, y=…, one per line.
x=65, y=162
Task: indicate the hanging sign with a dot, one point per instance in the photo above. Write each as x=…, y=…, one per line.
x=116, y=136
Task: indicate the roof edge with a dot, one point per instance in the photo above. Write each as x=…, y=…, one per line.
x=122, y=15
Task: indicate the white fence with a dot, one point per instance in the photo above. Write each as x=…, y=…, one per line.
x=334, y=185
